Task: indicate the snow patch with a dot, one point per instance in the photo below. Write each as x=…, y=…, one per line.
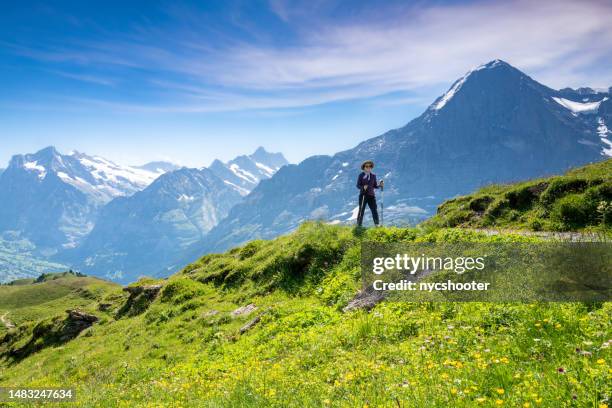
x=243, y=174
x=354, y=214
x=34, y=166
x=579, y=107
x=241, y=190
x=266, y=169
x=345, y=164
x=185, y=198
x=603, y=131
x=107, y=171
x=407, y=209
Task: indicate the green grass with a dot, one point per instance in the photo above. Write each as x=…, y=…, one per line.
x=185, y=347
x=579, y=200
x=30, y=301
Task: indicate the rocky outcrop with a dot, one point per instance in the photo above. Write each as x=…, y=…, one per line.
x=244, y=310
x=141, y=296
x=104, y=306
x=368, y=298
x=250, y=325
x=365, y=299
x=50, y=332
x=76, y=322
x=150, y=291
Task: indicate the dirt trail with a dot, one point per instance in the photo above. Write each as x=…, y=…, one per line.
x=7, y=323
x=561, y=236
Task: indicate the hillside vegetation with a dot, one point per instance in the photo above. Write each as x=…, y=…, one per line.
x=581, y=199
x=28, y=300
x=262, y=325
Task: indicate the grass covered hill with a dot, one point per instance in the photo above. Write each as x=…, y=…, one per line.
x=579, y=200
x=263, y=325
x=27, y=300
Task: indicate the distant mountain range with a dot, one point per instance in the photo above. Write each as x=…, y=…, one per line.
x=150, y=231
x=495, y=124
x=53, y=199
x=56, y=201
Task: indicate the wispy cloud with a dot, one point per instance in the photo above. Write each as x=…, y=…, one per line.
x=560, y=43
x=94, y=79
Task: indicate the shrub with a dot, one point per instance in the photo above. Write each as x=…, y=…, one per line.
x=560, y=187
x=480, y=204
x=496, y=209
x=180, y=290
x=250, y=249
x=574, y=211
x=521, y=198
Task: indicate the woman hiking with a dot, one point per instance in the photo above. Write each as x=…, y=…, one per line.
x=366, y=183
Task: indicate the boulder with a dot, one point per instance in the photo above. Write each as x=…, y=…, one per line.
x=244, y=310
x=76, y=322
x=250, y=325
x=103, y=307
x=150, y=291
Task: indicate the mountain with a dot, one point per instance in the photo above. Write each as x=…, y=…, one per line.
x=495, y=124
x=149, y=232
x=244, y=172
x=51, y=200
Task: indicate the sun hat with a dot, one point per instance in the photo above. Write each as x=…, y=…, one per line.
x=367, y=162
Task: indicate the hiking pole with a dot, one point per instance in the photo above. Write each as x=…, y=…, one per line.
x=382, y=205
x=361, y=209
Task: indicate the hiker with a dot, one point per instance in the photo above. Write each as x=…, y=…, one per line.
x=366, y=183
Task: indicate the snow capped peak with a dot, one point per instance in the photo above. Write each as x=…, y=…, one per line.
x=493, y=64
x=98, y=178
x=243, y=173
x=444, y=99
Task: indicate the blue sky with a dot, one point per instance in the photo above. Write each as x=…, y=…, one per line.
x=193, y=81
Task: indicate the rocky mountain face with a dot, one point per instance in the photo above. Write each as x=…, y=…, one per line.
x=495, y=124
x=244, y=172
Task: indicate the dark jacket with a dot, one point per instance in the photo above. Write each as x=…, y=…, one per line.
x=371, y=183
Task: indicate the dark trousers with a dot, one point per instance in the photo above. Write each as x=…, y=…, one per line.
x=370, y=201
